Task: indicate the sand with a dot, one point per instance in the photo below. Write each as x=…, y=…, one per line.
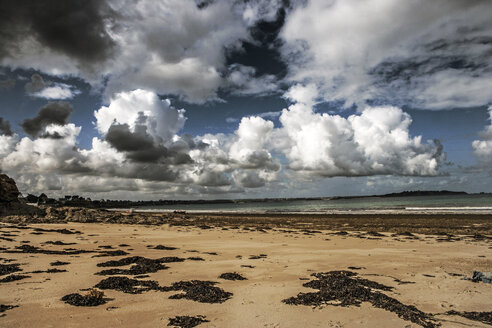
x=423, y=271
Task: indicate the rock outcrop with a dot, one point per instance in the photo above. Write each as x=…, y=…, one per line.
x=8, y=190
x=10, y=204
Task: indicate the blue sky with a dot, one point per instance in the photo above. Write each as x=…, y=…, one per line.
x=232, y=99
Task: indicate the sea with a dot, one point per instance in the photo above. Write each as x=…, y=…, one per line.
x=476, y=203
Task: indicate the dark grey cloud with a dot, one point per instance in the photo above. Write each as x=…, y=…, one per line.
x=37, y=84
x=213, y=178
x=54, y=135
x=260, y=159
x=202, y=4
x=5, y=127
x=51, y=113
x=75, y=28
x=250, y=179
x=121, y=138
x=192, y=143
x=140, y=147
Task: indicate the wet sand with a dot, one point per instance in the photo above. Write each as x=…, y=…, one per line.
x=415, y=269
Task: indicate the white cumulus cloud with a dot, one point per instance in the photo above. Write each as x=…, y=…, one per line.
x=374, y=142
x=483, y=148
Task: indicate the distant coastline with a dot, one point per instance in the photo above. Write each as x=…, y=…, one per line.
x=78, y=201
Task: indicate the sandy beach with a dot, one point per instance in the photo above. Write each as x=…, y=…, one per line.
x=398, y=279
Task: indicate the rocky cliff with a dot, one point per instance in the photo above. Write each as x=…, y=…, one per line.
x=9, y=199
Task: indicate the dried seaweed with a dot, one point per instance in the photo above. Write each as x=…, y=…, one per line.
x=14, y=277
x=232, y=276
x=36, y=250
x=118, y=252
x=344, y=288
x=187, y=321
x=128, y=285
x=93, y=298
x=141, y=265
x=4, y=308
x=485, y=317
x=199, y=291
x=166, y=248
x=9, y=268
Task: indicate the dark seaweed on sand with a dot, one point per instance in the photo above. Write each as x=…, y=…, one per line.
x=128, y=285
x=58, y=263
x=14, y=277
x=199, y=291
x=83, y=300
x=231, y=276
x=136, y=269
x=485, y=317
x=141, y=265
x=118, y=252
x=195, y=290
x=62, y=231
x=344, y=288
x=9, y=268
x=106, y=246
x=138, y=260
x=36, y=250
x=48, y=271
x=196, y=258
x=58, y=242
x=4, y=308
x=166, y=248
x=187, y=321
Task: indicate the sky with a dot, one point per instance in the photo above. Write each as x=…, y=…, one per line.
x=191, y=99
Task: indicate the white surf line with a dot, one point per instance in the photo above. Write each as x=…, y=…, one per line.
x=465, y=208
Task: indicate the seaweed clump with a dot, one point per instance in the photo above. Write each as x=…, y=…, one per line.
x=128, y=285
x=4, y=308
x=93, y=298
x=196, y=258
x=14, y=277
x=9, y=268
x=485, y=317
x=58, y=243
x=141, y=265
x=28, y=249
x=344, y=288
x=166, y=248
x=117, y=252
x=187, y=321
x=231, y=276
x=199, y=291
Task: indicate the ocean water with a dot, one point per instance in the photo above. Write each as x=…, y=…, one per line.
x=448, y=203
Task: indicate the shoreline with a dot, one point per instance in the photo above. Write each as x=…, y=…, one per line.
x=479, y=224
x=393, y=211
